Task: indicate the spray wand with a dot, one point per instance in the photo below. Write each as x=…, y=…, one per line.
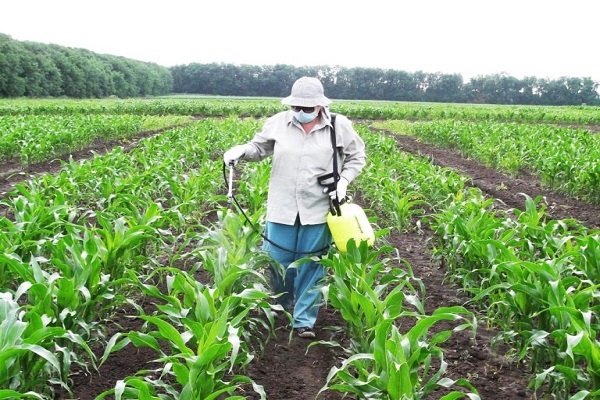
x=230, y=182
x=231, y=199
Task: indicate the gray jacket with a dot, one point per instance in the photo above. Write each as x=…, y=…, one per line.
x=299, y=158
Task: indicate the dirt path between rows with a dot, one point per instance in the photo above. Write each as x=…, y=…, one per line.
x=290, y=371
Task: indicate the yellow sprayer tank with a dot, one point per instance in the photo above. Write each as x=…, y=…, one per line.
x=351, y=224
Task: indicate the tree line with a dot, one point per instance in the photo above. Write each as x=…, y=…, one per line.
x=384, y=84
x=33, y=69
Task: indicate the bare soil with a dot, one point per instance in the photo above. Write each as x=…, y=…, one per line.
x=289, y=370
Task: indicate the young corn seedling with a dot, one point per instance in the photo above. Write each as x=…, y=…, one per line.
x=382, y=363
x=37, y=220
x=32, y=356
x=366, y=288
x=202, y=349
x=397, y=366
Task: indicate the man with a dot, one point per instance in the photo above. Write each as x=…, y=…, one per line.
x=300, y=143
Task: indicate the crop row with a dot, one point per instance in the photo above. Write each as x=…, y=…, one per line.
x=83, y=243
x=224, y=106
x=36, y=138
x=114, y=230
x=77, y=240
x=565, y=159
x=536, y=280
x=532, y=278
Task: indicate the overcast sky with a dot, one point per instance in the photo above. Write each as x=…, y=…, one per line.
x=541, y=38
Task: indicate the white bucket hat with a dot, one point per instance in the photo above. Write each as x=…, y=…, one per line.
x=307, y=92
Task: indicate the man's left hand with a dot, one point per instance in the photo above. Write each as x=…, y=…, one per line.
x=340, y=192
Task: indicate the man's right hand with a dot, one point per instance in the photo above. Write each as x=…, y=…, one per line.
x=231, y=156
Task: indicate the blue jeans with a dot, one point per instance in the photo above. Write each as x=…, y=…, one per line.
x=298, y=283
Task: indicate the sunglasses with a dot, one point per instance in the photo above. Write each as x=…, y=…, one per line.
x=307, y=110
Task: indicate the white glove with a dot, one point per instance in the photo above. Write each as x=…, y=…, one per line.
x=342, y=186
x=232, y=155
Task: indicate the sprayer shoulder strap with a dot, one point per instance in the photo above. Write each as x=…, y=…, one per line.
x=336, y=175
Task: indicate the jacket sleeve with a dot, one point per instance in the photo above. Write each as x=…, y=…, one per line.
x=262, y=144
x=354, y=157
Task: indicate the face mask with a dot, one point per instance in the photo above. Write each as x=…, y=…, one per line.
x=305, y=118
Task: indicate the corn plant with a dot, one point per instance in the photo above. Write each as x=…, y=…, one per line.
x=32, y=356
x=528, y=273
x=382, y=363
x=400, y=186
x=35, y=138
x=566, y=159
x=121, y=240
x=202, y=333
x=88, y=289
x=231, y=255
x=36, y=221
x=590, y=255
x=398, y=366
x=366, y=288
x=231, y=251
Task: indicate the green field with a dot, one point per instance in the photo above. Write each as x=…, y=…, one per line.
x=145, y=233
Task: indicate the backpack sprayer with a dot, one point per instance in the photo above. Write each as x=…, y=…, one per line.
x=345, y=220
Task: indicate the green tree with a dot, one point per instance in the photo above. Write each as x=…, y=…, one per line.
x=446, y=88
x=400, y=86
x=12, y=81
x=42, y=76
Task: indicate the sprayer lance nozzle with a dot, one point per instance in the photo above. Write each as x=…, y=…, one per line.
x=230, y=182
